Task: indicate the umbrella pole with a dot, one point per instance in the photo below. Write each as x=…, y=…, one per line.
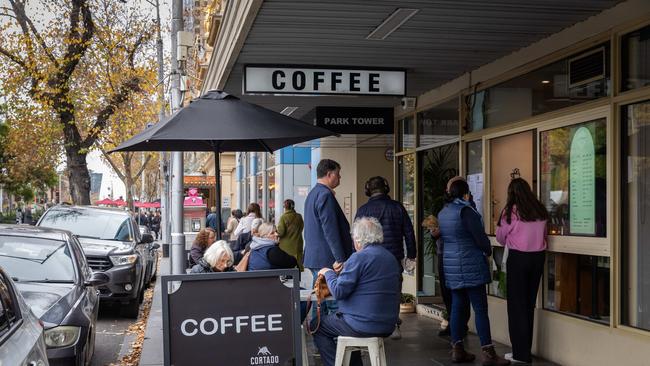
x=217, y=183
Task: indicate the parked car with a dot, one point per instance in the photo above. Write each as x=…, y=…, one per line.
x=50, y=271
x=22, y=339
x=152, y=257
x=113, y=244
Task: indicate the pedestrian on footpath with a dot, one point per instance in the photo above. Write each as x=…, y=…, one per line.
x=466, y=248
x=290, y=232
x=396, y=225
x=522, y=229
x=328, y=243
x=155, y=223
x=231, y=225
x=252, y=212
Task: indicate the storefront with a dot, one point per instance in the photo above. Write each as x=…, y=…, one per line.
x=562, y=100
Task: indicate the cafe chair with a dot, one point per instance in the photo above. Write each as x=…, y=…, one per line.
x=346, y=345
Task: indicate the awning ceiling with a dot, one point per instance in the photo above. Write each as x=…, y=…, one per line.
x=445, y=39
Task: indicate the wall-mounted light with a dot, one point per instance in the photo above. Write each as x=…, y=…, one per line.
x=546, y=81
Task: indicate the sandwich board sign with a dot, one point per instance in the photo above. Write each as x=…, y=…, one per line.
x=232, y=318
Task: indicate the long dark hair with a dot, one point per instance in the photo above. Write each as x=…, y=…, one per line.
x=529, y=208
x=254, y=208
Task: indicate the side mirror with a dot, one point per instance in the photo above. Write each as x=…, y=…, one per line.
x=97, y=279
x=146, y=239
x=155, y=246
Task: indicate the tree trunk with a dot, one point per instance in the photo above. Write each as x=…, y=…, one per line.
x=129, y=184
x=78, y=176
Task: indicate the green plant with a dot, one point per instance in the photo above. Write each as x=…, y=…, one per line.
x=407, y=298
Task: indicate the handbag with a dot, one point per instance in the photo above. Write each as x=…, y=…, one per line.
x=242, y=266
x=321, y=291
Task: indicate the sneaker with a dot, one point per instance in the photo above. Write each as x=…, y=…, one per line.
x=397, y=334
x=508, y=356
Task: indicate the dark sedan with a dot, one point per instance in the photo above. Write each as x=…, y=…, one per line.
x=51, y=272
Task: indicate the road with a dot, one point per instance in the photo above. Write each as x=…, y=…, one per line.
x=111, y=330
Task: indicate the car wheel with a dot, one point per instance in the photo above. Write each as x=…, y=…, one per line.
x=131, y=309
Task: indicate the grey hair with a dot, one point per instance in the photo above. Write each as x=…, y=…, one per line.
x=216, y=251
x=265, y=229
x=367, y=230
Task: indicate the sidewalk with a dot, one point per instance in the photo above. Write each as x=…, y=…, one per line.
x=419, y=346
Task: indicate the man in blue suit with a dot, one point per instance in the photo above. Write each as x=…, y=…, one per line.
x=328, y=243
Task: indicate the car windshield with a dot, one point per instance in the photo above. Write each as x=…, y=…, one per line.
x=29, y=259
x=93, y=224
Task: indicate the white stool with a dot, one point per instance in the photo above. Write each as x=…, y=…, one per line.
x=346, y=345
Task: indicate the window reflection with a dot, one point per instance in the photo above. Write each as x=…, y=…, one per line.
x=406, y=130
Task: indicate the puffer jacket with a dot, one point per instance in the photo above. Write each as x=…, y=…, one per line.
x=395, y=222
x=464, y=263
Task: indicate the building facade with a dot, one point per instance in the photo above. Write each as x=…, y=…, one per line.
x=558, y=94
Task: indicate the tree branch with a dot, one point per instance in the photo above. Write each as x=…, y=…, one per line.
x=78, y=43
x=27, y=25
x=13, y=58
x=146, y=161
x=112, y=164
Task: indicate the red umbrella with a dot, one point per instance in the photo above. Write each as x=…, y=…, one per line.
x=138, y=204
x=119, y=202
x=105, y=201
x=152, y=205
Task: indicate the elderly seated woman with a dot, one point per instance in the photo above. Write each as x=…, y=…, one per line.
x=217, y=258
x=367, y=292
x=265, y=252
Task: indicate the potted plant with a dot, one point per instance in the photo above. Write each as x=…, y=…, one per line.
x=407, y=303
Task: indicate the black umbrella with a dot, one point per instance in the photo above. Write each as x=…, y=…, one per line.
x=220, y=122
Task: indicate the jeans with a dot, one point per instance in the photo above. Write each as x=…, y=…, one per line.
x=460, y=300
x=446, y=297
x=326, y=307
x=332, y=326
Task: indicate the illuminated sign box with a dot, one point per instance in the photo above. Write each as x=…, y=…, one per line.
x=316, y=80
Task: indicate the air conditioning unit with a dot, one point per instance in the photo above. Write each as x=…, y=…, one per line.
x=587, y=67
x=408, y=102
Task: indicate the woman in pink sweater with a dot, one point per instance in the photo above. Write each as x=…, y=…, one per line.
x=522, y=228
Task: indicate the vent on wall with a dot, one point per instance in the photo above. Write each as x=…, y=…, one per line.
x=587, y=67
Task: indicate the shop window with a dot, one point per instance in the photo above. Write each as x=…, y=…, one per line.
x=504, y=165
x=578, y=285
x=406, y=171
x=635, y=230
x=438, y=124
x=635, y=59
x=406, y=133
x=570, y=81
x=573, y=178
x=270, y=174
x=475, y=172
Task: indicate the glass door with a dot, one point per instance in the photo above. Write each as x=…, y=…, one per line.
x=437, y=165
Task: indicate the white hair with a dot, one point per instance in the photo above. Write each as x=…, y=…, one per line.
x=265, y=229
x=367, y=230
x=256, y=224
x=216, y=251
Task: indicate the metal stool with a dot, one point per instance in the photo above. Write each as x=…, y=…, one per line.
x=346, y=345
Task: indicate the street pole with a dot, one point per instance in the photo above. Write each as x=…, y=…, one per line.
x=178, y=238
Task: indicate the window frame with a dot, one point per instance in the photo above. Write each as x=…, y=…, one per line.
x=18, y=315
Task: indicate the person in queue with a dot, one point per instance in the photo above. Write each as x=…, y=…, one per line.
x=217, y=258
x=203, y=240
x=252, y=212
x=265, y=252
x=522, y=229
x=243, y=242
x=231, y=225
x=465, y=265
x=396, y=224
x=367, y=291
x=290, y=232
x=327, y=230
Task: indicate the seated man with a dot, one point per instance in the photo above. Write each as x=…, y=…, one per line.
x=367, y=292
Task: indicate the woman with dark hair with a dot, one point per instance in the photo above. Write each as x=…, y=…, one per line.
x=466, y=272
x=231, y=225
x=522, y=229
x=203, y=240
x=252, y=212
x=290, y=231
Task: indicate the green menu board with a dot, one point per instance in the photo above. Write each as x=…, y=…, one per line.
x=582, y=183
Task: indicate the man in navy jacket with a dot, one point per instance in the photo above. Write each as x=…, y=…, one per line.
x=327, y=232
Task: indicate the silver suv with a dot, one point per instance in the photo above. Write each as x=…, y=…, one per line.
x=21, y=333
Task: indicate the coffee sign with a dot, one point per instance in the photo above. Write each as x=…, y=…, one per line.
x=269, y=79
x=249, y=318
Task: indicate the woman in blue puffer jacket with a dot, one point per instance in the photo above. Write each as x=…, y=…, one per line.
x=466, y=270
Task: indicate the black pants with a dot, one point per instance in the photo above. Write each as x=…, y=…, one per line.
x=446, y=295
x=523, y=273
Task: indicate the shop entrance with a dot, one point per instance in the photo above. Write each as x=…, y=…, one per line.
x=437, y=165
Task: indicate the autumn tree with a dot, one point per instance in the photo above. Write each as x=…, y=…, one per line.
x=75, y=63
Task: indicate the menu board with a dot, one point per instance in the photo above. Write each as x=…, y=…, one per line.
x=582, y=184
x=475, y=182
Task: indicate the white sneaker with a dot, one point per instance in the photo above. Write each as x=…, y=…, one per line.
x=508, y=356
